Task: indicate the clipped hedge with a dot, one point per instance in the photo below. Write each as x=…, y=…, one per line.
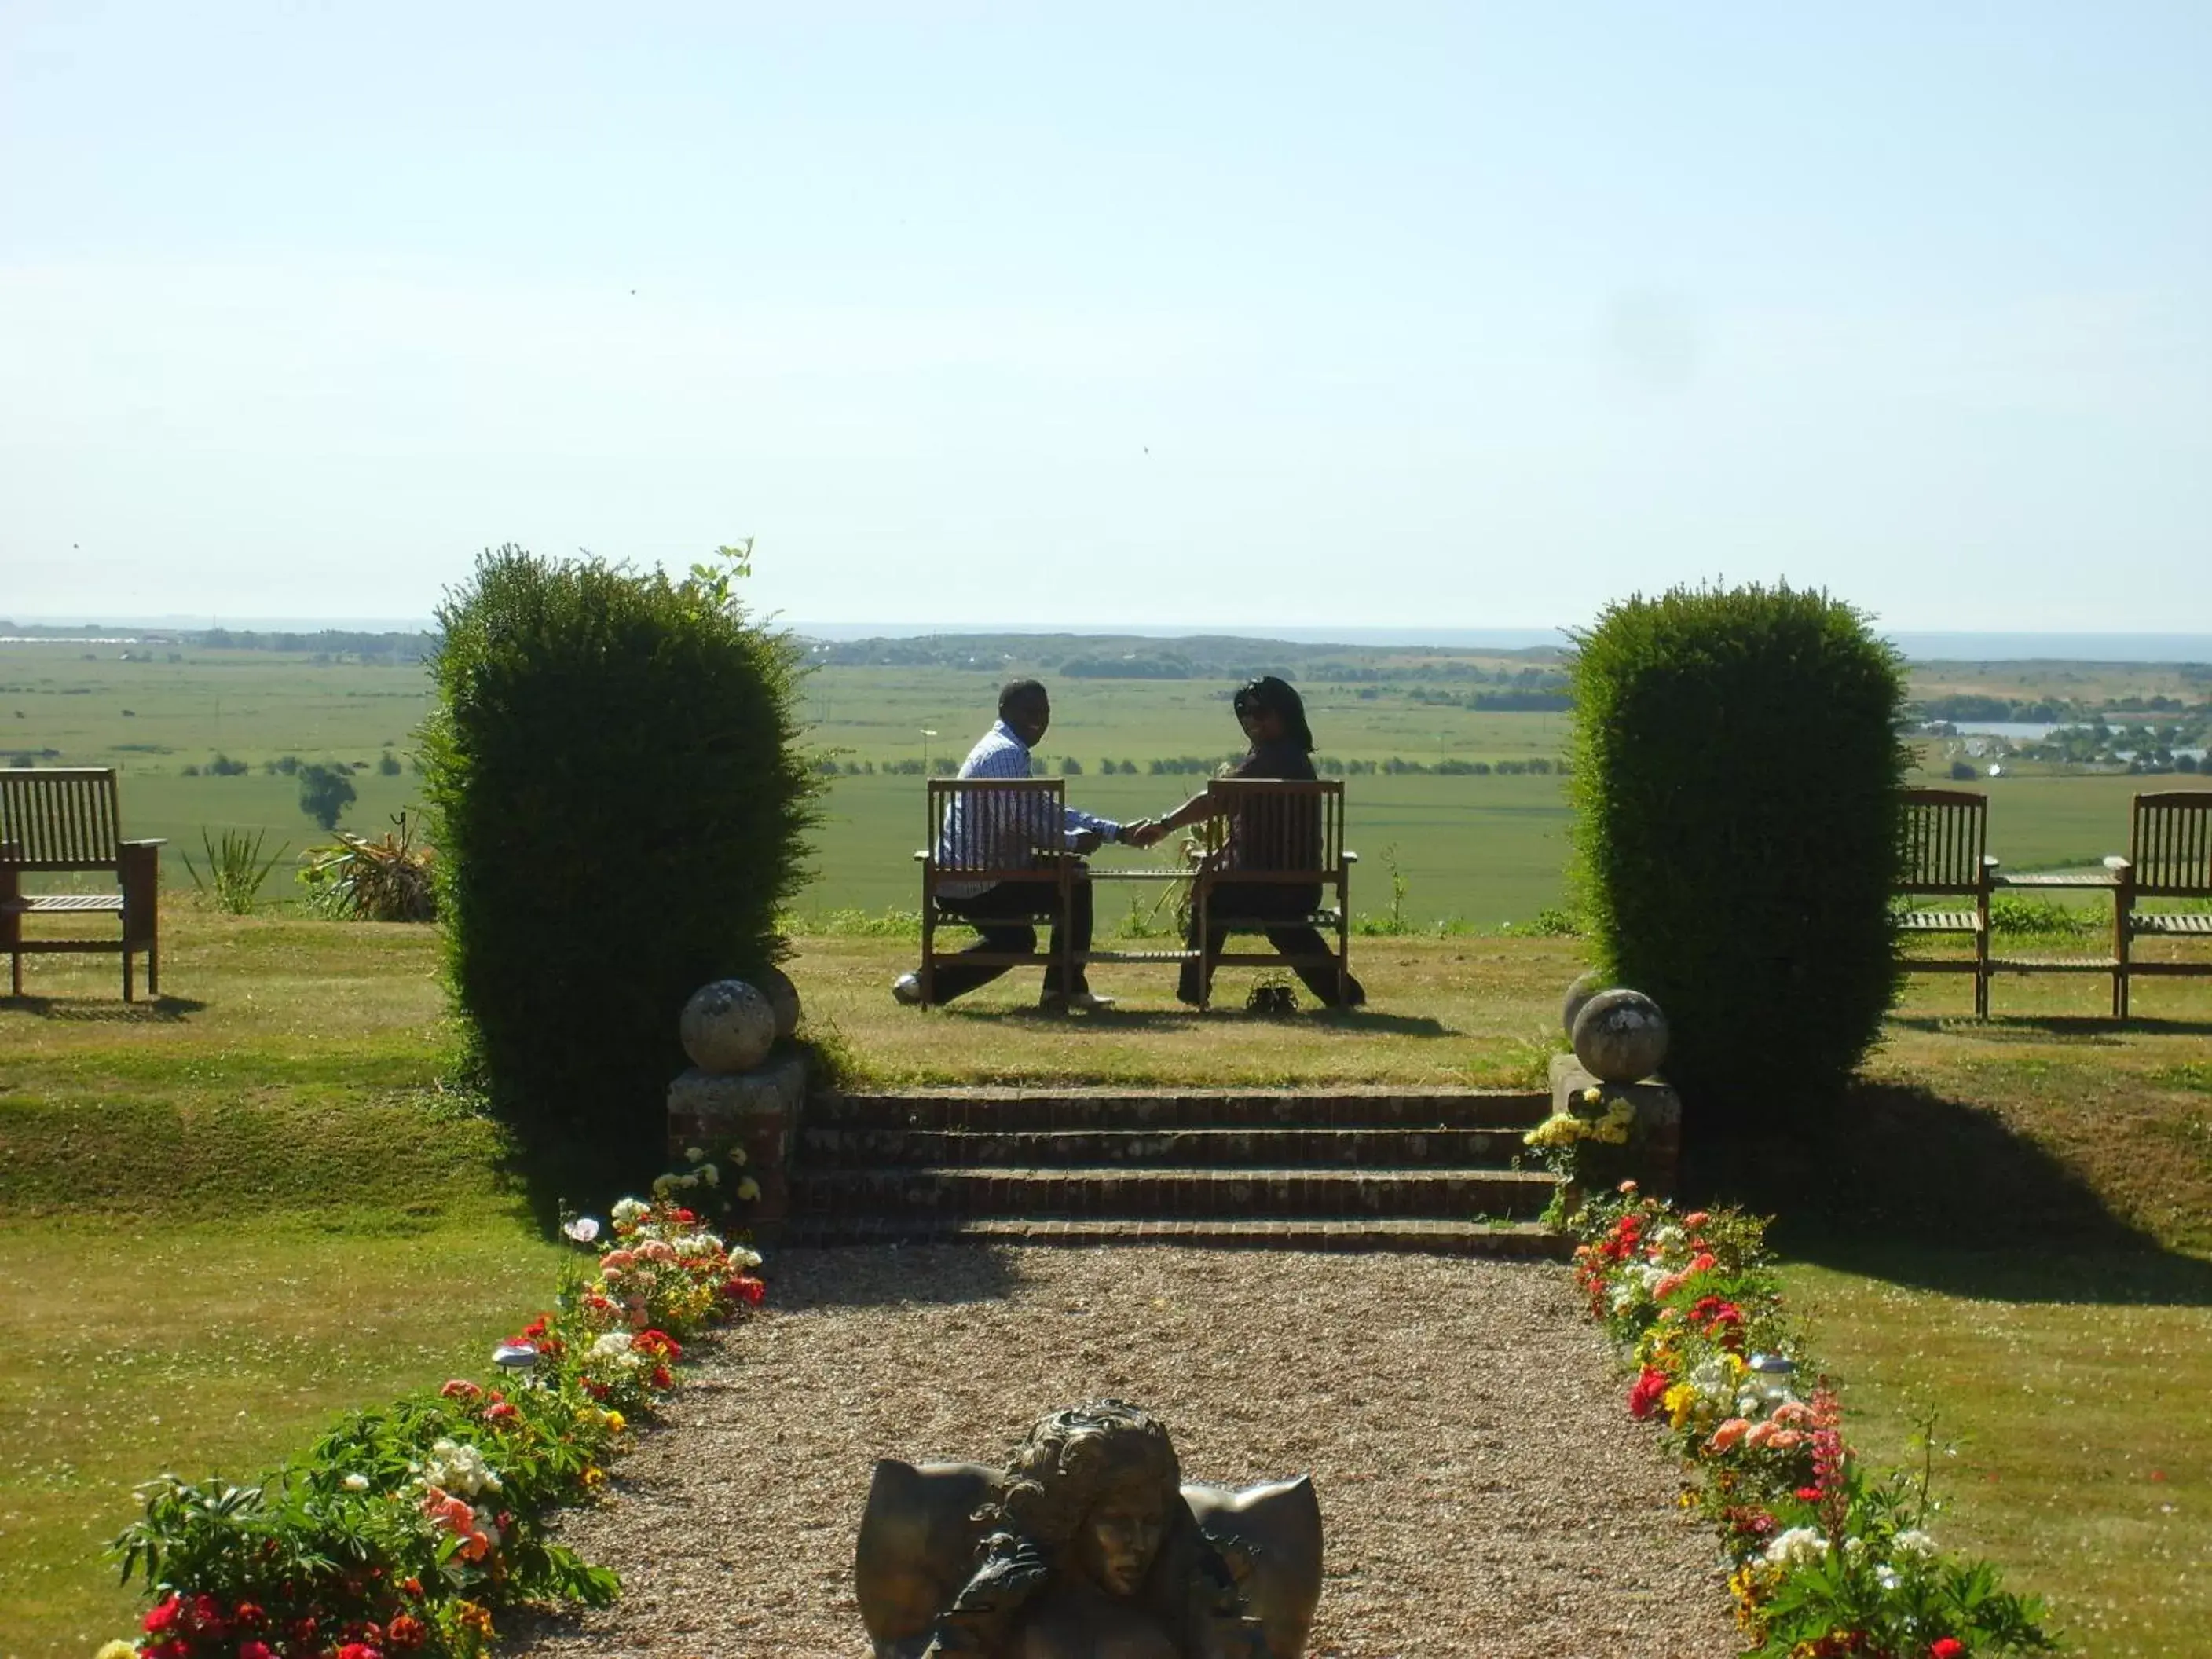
x=619, y=805
x=1736, y=771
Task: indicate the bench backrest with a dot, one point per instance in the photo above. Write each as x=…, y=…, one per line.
x=59, y=817
x=2171, y=849
x=989, y=828
x=1943, y=836
x=1282, y=826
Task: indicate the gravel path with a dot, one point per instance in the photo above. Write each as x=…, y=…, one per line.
x=1483, y=1491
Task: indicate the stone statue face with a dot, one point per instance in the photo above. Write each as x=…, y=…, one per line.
x=1121, y=1534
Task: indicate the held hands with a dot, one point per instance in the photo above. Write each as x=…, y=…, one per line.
x=1083, y=840
x=1145, y=832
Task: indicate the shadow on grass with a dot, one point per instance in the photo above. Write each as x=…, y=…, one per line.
x=160, y=1010
x=1906, y=1186
x=1121, y=1022
x=2091, y=1029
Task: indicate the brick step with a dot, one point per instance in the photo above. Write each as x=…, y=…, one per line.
x=1407, y=1233
x=1180, y=1194
x=1026, y=1109
x=1268, y=1147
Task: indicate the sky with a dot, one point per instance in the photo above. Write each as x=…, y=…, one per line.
x=1467, y=317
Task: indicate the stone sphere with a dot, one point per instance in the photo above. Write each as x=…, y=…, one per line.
x=1620, y=1037
x=727, y=1027
x=782, y=996
x=1587, y=985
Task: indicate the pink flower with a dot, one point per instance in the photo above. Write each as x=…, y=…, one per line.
x=1695, y=1219
x=1758, y=1434
x=1667, y=1286
x=1726, y=1437
x=616, y=1261
x=657, y=1250
x=1787, y=1439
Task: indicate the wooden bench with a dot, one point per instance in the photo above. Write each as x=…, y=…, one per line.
x=982, y=832
x=2169, y=856
x=1945, y=854
x=1280, y=833
x=65, y=819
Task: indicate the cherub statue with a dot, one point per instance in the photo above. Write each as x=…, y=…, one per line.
x=1086, y=1546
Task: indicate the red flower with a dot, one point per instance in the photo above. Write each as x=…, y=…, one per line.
x=411, y=1586
x=251, y=1649
x=249, y=1616
x=746, y=1290
x=1947, y=1647
x=500, y=1411
x=1643, y=1397
x=461, y=1388
x=658, y=1343
x=661, y=1379
x=162, y=1615
x=683, y=1216
x=405, y=1631
x=1809, y=1494
x=360, y=1650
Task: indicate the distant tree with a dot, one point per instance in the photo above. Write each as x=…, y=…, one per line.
x=1963, y=772
x=1070, y=768
x=324, y=791
x=389, y=765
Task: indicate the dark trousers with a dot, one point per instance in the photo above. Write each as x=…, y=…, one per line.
x=1245, y=899
x=1002, y=914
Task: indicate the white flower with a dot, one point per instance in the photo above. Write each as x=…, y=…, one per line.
x=748, y=1189
x=662, y=1185
x=613, y=1344
x=694, y=1153
x=742, y=1257
x=1886, y=1577
x=459, y=1468
x=1623, y=1297
x=583, y=1229
x=1912, y=1545
x=710, y=1174
x=1669, y=1235
x=355, y=1483
x=629, y=1210
x=1799, y=1546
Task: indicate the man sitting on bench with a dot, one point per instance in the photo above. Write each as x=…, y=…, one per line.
x=1003, y=911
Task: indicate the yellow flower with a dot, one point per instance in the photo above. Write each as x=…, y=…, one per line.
x=116, y=1650
x=595, y=1477
x=1678, y=1401
x=470, y=1616
x=615, y=1421
x=1593, y=1095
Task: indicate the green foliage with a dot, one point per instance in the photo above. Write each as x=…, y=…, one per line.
x=1736, y=778
x=387, y=880
x=235, y=870
x=619, y=805
x=324, y=791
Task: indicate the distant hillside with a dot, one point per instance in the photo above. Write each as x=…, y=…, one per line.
x=1202, y=656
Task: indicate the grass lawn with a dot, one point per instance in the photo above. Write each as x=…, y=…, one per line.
x=255, y=1198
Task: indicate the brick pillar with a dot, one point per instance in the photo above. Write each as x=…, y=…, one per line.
x=758, y=1111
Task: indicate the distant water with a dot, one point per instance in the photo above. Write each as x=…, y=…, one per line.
x=1921, y=646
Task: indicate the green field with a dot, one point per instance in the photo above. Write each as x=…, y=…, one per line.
x=1481, y=850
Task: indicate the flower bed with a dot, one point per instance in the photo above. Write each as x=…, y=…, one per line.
x=403, y=1530
x=1826, y=1559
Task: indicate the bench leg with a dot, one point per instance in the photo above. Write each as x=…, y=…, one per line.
x=126, y=971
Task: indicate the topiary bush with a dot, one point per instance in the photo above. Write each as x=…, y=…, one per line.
x=1736, y=773
x=619, y=805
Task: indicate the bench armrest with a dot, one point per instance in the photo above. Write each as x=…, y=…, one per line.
x=2117, y=864
x=1350, y=856
x=158, y=840
x=921, y=856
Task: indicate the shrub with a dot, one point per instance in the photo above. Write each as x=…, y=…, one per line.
x=619, y=805
x=1737, y=781
x=326, y=791
x=235, y=870
x=388, y=880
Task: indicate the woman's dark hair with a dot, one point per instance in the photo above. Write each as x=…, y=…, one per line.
x=1267, y=693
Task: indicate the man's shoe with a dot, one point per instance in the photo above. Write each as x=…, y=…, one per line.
x=906, y=990
x=1082, y=1002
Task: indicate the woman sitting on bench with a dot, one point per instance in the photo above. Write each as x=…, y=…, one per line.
x=1274, y=722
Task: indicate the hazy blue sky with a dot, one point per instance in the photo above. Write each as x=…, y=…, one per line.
x=1475, y=316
